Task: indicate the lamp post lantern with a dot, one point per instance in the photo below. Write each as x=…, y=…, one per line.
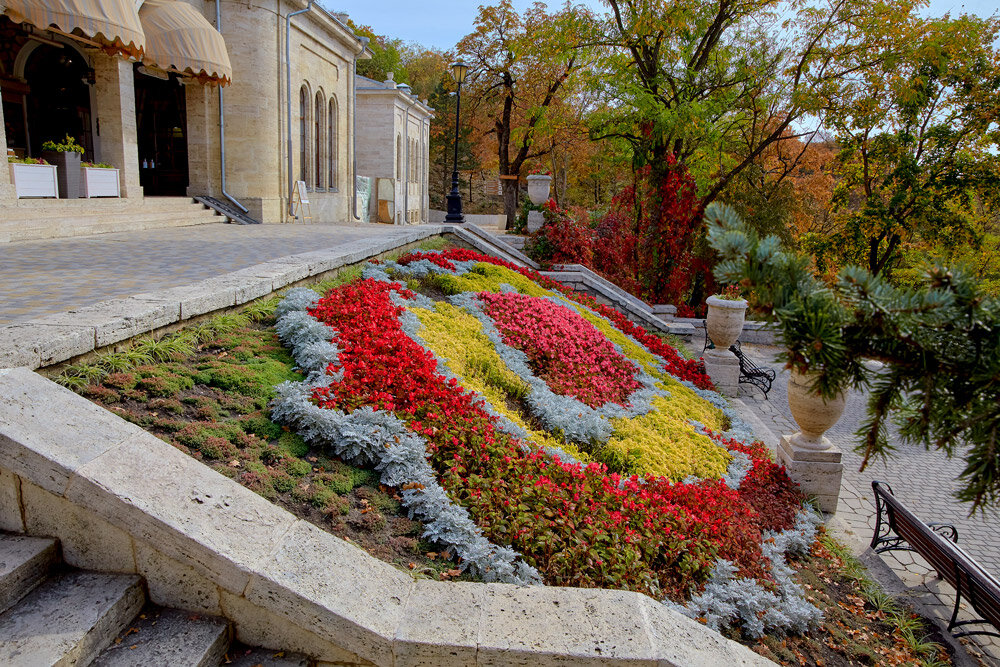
x=459, y=70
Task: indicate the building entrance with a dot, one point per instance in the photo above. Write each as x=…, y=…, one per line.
x=161, y=116
x=53, y=101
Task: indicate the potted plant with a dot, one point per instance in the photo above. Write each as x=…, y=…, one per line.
x=539, y=185
x=936, y=344
x=726, y=314
x=99, y=180
x=65, y=155
x=33, y=177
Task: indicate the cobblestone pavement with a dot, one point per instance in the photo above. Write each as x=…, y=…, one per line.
x=52, y=276
x=923, y=480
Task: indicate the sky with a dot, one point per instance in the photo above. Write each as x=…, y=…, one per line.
x=441, y=23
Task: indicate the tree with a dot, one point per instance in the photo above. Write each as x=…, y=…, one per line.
x=939, y=341
x=521, y=67
x=715, y=84
x=919, y=144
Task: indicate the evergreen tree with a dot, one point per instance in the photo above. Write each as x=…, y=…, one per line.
x=939, y=341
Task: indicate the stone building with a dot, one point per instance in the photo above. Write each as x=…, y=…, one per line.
x=193, y=98
x=394, y=130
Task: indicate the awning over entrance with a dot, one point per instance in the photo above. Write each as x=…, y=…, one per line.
x=112, y=24
x=179, y=39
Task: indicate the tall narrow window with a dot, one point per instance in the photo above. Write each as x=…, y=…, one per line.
x=399, y=157
x=333, y=123
x=320, y=104
x=303, y=131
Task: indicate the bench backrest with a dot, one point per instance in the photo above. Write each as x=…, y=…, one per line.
x=955, y=566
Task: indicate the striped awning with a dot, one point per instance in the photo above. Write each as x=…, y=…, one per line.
x=179, y=39
x=112, y=24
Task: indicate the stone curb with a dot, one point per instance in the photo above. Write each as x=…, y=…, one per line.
x=119, y=498
x=56, y=338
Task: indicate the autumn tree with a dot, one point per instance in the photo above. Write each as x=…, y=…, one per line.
x=919, y=144
x=522, y=65
x=715, y=84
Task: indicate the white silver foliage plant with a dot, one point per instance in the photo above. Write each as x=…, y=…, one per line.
x=379, y=439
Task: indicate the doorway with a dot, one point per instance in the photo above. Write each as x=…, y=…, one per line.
x=161, y=117
x=57, y=100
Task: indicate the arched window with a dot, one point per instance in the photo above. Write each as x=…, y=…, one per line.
x=320, y=104
x=303, y=131
x=333, y=123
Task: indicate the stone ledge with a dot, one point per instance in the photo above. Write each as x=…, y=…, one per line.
x=52, y=339
x=268, y=564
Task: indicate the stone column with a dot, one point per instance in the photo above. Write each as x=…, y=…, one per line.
x=6, y=187
x=817, y=472
x=116, y=120
x=203, y=140
x=812, y=461
x=722, y=366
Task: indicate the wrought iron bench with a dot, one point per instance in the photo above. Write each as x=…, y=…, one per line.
x=750, y=372
x=898, y=529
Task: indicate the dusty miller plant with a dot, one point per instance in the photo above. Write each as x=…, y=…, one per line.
x=939, y=342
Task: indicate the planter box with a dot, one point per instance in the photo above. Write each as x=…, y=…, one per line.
x=99, y=182
x=68, y=165
x=34, y=180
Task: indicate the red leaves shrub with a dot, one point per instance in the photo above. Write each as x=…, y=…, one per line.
x=433, y=257
x=565, y=350
x=578, y=525
x=563, y=239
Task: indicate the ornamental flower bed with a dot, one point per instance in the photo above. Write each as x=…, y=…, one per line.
x=550, y=441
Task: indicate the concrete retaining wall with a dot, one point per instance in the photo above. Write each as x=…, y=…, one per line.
x=119, y=499
x=497, y=220
x=759, y=333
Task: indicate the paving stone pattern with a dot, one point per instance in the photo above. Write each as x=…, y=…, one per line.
x=52, y=276
x=923, y=480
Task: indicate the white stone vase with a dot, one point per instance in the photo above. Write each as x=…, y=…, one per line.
x=724, y=322
x=538, y=188
x=814, y=414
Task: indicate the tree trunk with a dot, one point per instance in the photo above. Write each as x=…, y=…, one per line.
x=510, y=195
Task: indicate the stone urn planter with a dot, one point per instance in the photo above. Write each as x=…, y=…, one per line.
x=539, y=186
x=814, y=414
x=724, y=322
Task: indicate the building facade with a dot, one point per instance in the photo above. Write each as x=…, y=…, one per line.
x=198, y=98
x=394, y=144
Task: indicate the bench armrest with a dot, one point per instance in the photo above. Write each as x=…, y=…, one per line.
x=945, y=530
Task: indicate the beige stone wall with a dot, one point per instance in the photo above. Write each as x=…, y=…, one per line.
x=6, y=187
x=115, y=95
x=393, y=140
x=322, y=54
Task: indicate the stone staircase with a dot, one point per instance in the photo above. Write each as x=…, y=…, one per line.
x=54, y=615
x=59, y=218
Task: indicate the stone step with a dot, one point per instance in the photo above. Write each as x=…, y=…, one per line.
x=43, y=209
x=68, y=619
x=24, y=563
x=168, y=637
x=111, y=218
x=258, y=657
x=68, y=227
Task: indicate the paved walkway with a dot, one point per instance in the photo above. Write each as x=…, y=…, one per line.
x=52, y=276
x=923, y=480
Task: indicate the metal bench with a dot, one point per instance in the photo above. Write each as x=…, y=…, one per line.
x=898, y=529
x=750, y=372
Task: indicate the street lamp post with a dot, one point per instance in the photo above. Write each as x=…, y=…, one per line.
x=459, y=70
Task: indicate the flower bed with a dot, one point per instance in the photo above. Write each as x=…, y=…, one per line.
x=478, y=409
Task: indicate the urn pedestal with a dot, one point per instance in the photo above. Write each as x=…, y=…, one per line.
x=723, y=326
x=812, y=461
